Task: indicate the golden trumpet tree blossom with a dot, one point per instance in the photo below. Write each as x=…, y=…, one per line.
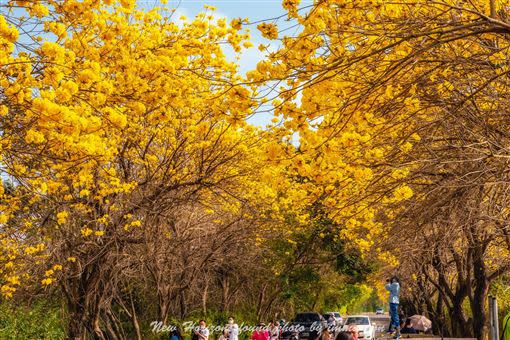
x=110, y=117
x=351, y=128
x=411, y=98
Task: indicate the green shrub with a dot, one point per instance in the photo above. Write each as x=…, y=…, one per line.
x=38, y=321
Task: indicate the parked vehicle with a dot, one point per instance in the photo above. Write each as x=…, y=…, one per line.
x=379, y=311
x=366, y=329
x=305, y=326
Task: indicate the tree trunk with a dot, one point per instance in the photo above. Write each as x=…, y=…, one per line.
x=439, y=327
x=225, y=287
x=204, y=297
x=478, y=302
x=75, y=327
x=98, y=333
x=116, y=326
x=458, y=317
x=260, y=301
x=84, y=293
x=183, y=305
x=163, y=307
x=134, y=320
x=111, y=327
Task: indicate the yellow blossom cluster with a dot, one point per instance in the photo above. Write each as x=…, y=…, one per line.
x=346, y=129
x=129, y=104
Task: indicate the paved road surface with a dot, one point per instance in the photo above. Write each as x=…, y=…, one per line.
x=381, y=323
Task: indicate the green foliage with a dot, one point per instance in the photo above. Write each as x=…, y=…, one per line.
x=354, y=297
x=37, y=321
x=501, y=290
x=353, y=266
x=320, y=271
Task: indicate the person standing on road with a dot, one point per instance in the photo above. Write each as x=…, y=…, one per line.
x=203, y=332
x=344, y=336
x=353, y=330
x=393, y=286
x=233, y=329
x=260, y=332
x=274, y=331
x=224, y=334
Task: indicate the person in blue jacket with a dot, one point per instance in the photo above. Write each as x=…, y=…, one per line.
x=393, y=286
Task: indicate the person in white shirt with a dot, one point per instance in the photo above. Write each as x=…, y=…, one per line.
x=202, y=332
x=233, y=329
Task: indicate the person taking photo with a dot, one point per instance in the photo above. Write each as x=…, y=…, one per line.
x=393, y=286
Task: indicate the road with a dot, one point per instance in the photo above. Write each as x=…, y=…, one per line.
x=381, y=323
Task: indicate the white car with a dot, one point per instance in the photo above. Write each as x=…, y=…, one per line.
x=366, y=329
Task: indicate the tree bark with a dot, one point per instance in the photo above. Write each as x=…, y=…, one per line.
x=225, y=287
x=260, y=301
x=134, y=320
x=84, y=293
x=479, y=298
x=183, y=305
x=204, y=297
x=492, y=5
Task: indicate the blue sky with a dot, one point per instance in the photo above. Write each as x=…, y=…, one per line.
x=254, y=10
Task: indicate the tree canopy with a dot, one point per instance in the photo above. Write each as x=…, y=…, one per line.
x=131, y=175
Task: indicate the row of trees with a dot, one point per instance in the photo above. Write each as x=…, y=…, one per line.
x=135, y=190
x=433, y=76
x=135, y=178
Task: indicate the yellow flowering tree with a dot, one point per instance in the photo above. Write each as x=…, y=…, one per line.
x=342, y=136
x=111, y=117
x=410, y=96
